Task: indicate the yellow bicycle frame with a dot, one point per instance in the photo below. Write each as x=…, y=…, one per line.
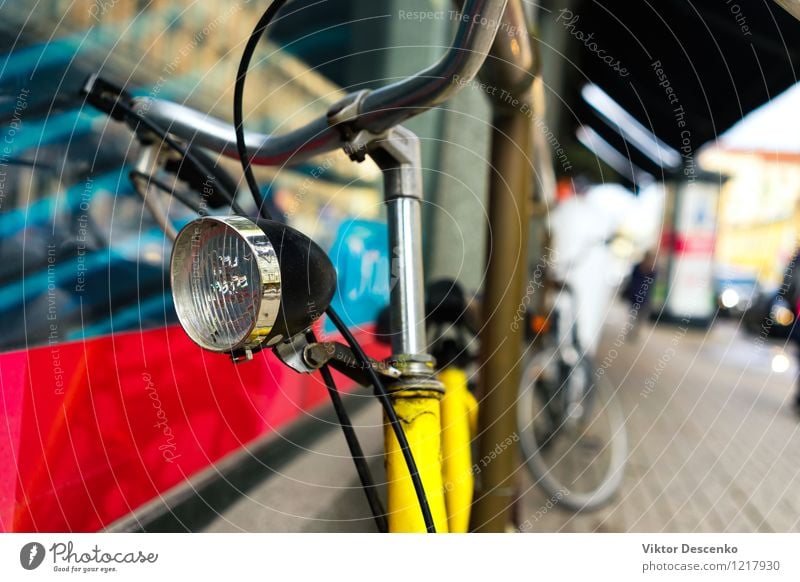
x=439, y=429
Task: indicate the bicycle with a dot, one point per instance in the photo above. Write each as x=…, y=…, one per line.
x=572, y=428
x=242, y=283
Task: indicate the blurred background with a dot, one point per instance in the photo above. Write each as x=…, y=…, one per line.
x=672, y=139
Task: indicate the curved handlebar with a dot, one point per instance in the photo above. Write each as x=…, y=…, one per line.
x=380, y=109
x=395, y=103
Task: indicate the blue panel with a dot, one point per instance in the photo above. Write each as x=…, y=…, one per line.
x=47, y=208
x=57, y=52
x=110, y=271
x=360, y=254
x=58, y=128
x=155, y=309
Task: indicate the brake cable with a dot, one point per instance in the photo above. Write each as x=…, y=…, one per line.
x=238, y=100
x=181, y=196
x=391, y=413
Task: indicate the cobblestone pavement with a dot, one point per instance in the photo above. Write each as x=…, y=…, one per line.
x=714, y=445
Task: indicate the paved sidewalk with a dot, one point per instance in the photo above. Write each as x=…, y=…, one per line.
x=318, y=489
x=715, y=445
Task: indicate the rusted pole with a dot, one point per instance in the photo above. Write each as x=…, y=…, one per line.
x=508, y=72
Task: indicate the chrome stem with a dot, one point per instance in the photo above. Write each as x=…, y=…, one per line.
x=397, y=153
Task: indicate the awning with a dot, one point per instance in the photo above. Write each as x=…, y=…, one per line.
x=682, y=71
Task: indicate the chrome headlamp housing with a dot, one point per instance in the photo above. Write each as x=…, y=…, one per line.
x=226, y=283
x=240, y=285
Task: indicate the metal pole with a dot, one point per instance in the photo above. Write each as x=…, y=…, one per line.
x=501, y=343
x=509, y=69
x=397, y=154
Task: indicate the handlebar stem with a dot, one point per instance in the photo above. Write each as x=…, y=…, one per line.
x=397, y=154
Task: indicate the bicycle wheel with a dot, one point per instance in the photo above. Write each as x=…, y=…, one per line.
x=572, y=431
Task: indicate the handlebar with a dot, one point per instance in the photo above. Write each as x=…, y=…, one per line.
x=378, y=110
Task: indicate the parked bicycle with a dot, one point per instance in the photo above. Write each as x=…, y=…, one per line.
x=572, y=428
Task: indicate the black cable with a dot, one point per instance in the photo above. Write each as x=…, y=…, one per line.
x=238, y=99
x=179, y=195
x=165, y=137
x=383, y=397
x=359, y=460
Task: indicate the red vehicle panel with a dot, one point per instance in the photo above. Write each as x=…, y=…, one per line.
x=97, y=428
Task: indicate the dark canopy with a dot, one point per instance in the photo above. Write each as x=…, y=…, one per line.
x=685, y=70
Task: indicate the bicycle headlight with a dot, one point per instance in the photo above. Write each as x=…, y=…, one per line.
x=239, y=285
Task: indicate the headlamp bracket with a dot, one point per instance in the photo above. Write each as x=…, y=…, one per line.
x=306, y=357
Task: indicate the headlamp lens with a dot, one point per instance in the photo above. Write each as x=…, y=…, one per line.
x=225, y=283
